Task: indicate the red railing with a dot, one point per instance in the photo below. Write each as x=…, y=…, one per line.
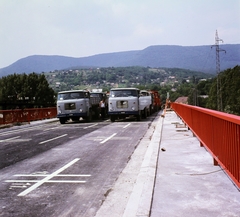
x=26, y=115
x=218, y=132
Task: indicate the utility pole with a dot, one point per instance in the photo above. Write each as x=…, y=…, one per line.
x=219, y=92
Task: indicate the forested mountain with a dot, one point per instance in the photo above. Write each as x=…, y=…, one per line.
x=197, y=58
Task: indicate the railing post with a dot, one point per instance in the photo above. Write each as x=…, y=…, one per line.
x=215, y=163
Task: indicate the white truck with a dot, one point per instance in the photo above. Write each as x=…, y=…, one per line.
x=76, y=104
x=125, y=102
x=146, y=102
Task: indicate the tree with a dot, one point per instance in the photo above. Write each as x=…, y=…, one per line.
x=229, y=83
x=24, y=91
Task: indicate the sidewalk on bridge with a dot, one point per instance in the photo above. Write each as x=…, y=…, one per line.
x=169, y=174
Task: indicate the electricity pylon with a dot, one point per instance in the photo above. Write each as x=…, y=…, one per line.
x=219, y=91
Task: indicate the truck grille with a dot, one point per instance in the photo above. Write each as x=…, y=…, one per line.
x=70, y=106
x=122, y=104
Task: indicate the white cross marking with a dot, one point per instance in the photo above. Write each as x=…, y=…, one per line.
x=47, y=178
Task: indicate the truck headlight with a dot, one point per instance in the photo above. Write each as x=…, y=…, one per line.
x=133, y=108
x=80, y=110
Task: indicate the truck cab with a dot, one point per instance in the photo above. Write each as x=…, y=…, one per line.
x=145, y=103
x=73, y=104
x=124, y=102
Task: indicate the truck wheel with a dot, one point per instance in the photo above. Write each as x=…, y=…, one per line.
x=112, y=118
x=62, y=120
x=139, y=117
x=89, y=117
x=97, y=114
x=145, y=113
x=150, y=110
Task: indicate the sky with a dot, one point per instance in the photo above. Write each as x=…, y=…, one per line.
x=80, y=28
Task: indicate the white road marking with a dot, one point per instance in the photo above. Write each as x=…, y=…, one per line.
x=90, y=126
x=61, y=175
x=46, y=179
x=18, y=186
x=127, y=125
x=4, y=140
x=49, y=181
x=19, y=140
x=108, y=138
x=53, y=139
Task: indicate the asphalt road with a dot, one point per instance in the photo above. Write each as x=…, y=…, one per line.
x=64, y=170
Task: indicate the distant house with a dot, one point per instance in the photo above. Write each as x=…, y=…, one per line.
x=182, y=99
x=204, y=96
x=58, y=84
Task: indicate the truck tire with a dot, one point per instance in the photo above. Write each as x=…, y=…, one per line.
x=62, y=120
x=139, y=117
x=89, y=117
x=145, y=113
x=150, y=110
x=112, y=117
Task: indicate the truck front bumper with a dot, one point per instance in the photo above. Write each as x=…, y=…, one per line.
x=123, y=113
x=70, y=115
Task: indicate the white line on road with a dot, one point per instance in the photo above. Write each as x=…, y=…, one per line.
x=48, y=178
x=90, y=126
x=53, y=139
x=18, y=186
x=108, y=138
x=49, y=181
x=61, y=175
x=127, y=125
x=4, y=140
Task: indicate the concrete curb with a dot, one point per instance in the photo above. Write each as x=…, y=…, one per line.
x=139, y=203
x=132, y=193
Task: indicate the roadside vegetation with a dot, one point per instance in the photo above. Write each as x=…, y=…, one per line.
x=229, y=91
x=176, y=82
x=25, y=91
x=39, y=90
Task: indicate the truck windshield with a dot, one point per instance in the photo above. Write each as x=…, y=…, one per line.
x=96, y=95
x=72, y=95
x=123, y=93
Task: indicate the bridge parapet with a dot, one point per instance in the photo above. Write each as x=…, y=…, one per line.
x=26, y=115
x=218, y=132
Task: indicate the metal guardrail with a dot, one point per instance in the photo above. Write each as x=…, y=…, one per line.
x=26, y=115
x=218, y=132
